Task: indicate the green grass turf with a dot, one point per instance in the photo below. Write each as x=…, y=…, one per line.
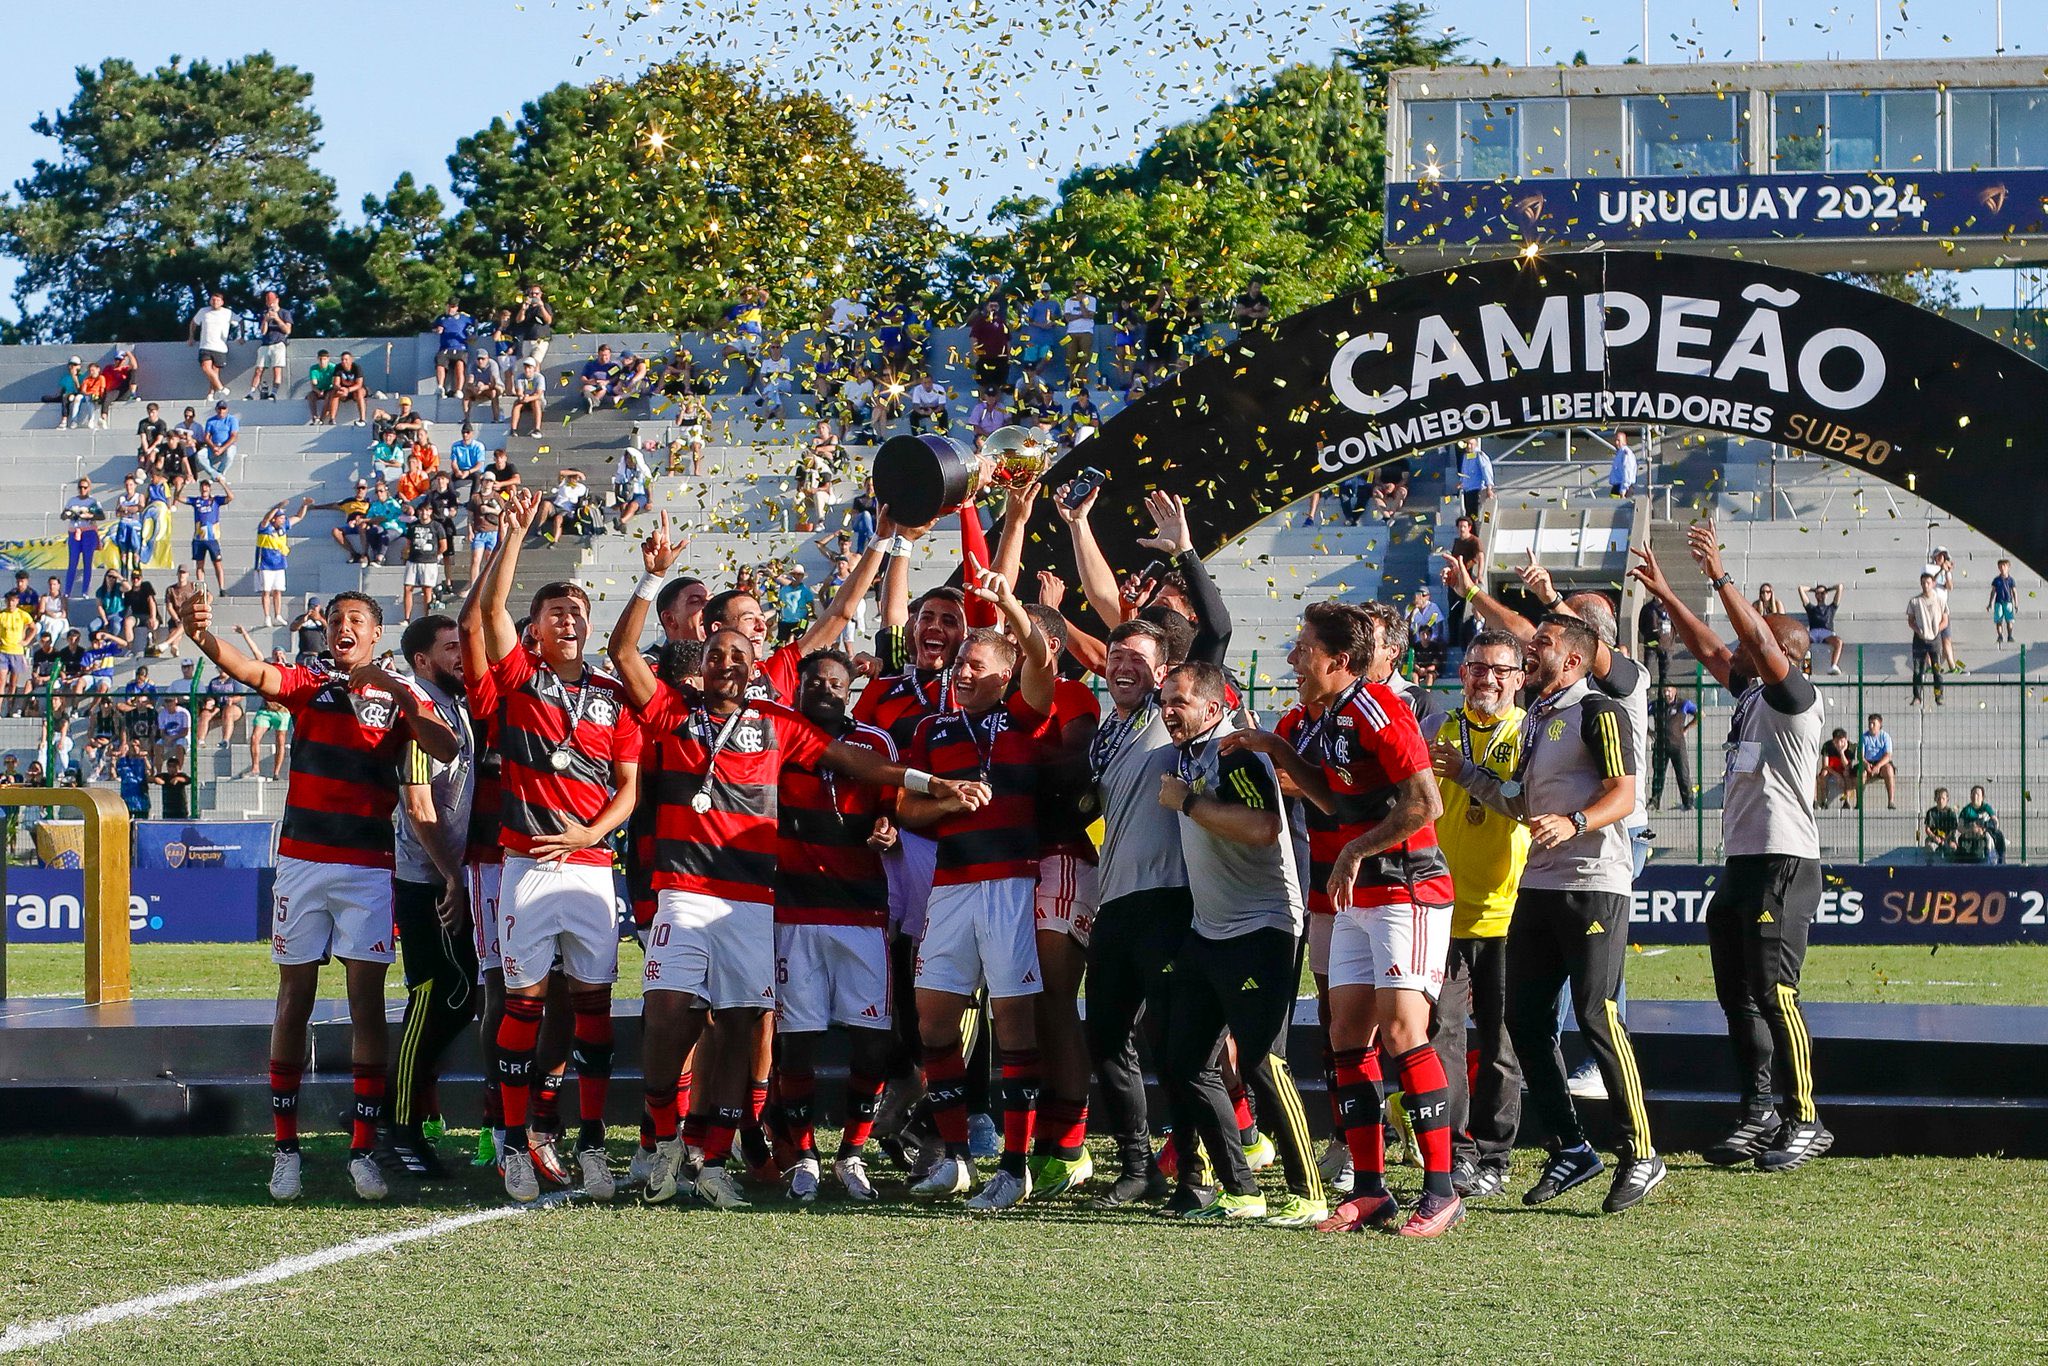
x=2004, y=974
x=1849, y=1260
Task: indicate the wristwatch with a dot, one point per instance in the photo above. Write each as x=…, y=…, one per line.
x=1578, y=822
x=1718, y=584
x=1188, y=801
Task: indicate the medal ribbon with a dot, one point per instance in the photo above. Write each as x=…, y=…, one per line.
x=560, y=698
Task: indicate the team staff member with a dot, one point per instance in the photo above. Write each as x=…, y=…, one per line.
x=979, y=928
x=1758, y=921
x=430, y=894
x=333, y=895
x=1486, y=851
x=1574, y=785
x=570, y=748
x=1238, y=969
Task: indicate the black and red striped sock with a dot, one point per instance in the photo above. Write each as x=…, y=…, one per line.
x=284, y=1104
x=1426, y=1093
x=1330, y=1089
x=494, y=1108
x=863, y=1096
x=592, y=1054
x=518, y=1031
x=660, y=1117
x=1019, y=1098
x=721, y=1127
x=1062, y=1129
x=683, y=1084
x=945, y=1092
x=547, y=1103
x=757, y=1102
x=369, y=1108
x=1241, y=1106
x=1362, y=1117
x=797, y=1109
x=692, y=1128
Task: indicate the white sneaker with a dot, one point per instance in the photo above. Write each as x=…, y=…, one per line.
x=852, y=1173
x=951, y=1176
x=637, y=1169
x=284, y=1177
x=598, y=1181
x=1587, y=1084
x=1002, y=1191
x=803, y=1181
x=520, y=1182
x=1335, y=1166
x=369, y=1178
x=659, y=1182
x=717, y=1188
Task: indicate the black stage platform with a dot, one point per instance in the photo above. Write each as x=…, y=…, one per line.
x=1895, y=1079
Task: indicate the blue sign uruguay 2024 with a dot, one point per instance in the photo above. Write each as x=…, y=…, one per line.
x=47, y=906
x=1946, y=904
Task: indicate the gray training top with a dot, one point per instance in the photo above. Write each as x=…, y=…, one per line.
x=1140, y=840
x=1773, y=751
x=1572, y=742
x=1628, y=683
x=453, y=785
x=1237, y=888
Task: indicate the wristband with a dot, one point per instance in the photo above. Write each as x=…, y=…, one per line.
x=649, y=587
x=1187, y=802
x=1553, y=604
x=918, y=781
x=1472, y=592
x=1718, y=584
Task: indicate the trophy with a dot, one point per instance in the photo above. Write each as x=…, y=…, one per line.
x=924, y=477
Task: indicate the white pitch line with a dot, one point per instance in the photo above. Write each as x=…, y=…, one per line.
x=20, y=1336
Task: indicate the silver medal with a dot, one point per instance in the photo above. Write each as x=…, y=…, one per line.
x=559, y=761
x=1511, y=788
x=701, y=803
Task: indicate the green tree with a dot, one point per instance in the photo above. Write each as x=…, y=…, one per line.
x=1403, y=33
x=398, y=270
x=649, y=203
x=169, y=183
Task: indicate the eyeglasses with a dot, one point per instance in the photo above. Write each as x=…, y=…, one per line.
x=1497, y=670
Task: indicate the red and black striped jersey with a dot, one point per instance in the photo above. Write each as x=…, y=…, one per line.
x=1325, y=838
x=639, y=859
x=487, y=805
x=729, y=850
x=898, y=702
x=539, y=800
x=1367, y=744
x=1005, y=748
x=345, y=750
x=1062, y=824
x=825, y=873
x=775, y=678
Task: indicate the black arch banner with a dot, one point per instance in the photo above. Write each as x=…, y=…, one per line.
x=1610, y=339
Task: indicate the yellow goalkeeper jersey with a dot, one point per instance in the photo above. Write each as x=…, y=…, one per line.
x=1485, y=850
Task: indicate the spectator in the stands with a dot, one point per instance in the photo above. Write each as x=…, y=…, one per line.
x=1938, y=825
x=857, y=404
x=140, y=616
x=990, y=413
x=309, y=633
x=600, y=378
x=692, y=423
x=441, y=504
x=273, y=352
x=209, y=331
x=1390, y=490
x=1672, y=719
x=131, y=771
x=71, y=394
x=1252, y=308
x=529, y=394
x=217, y=454
x=1979, y=812
x=989, y=342
x=173, y=722
x=55, y=619
x=1467, y=550
x=1837, y=770
x=773, y=382
x=533, y=323
x=94, y=387
x=452, y=330
x=269, y=719
x=177, y=786
x=404, y=428
x=815, y=478
x=486, y=384
x=1820, y=602
x=746, y=325
x=928, y=406
x=353, y=535
x=182, y=590
x=466, y=459
x=678, y=374
x=1426, y=637
x=1354, y=498
x=81, y=515
x=320, y=389
x=567, y=506
x=1621, y=471
x=2003, y=606
x=1877, y=761
x=426, y=552
x=502, y=471
x=1768, y=603
x=16, y=628
x=1042, y=330
x=350, y=386
x=220, y=706
x=25, y=594
x=504, y=341
x=128, y=505
x=486, y=522
x=152, y=433
x=122, y=374
x=1475, y=476
x=273, y=552
x=385, y=518
x=413, y=484
x=1942, y=567
x=1079, y=312
x=1927, y=618
x=631, y=479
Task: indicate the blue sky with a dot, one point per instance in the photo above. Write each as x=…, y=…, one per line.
x=398, y=81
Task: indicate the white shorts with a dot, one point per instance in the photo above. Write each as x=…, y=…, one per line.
x=270, y=581
x=483, y=879
x=1819, y=635
x=1067, y=897
x=1400, y=947
x=331, y=910
x=422, y=575
x=721, y=952
x=829, y=975
x=1319, y=927
x=981, y=933
x=909, y=869
x=276, y=354
x=548, y=911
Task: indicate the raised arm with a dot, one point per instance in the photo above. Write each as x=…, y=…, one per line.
x=250, y=672
x=1537, y=580
x=845, y=605
x=501, y=633
x=1772, y=664
x=1035, y=675
x=1173, y=539
x=623, y=649
x=1497, y=614
x=1098, y=580
x=1009, y=561
x=1714, y=656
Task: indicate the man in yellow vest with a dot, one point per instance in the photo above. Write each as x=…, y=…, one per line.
x=1486, y=851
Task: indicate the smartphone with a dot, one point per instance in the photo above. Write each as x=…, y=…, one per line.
x=1082, y=484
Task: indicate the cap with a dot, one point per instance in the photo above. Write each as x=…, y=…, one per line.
x=74, y=361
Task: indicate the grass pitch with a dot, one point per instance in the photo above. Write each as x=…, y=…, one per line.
x=1848, y=1260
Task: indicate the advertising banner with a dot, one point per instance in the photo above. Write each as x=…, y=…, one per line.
x=1860, y=904
x=193, y=846
x=47, y=906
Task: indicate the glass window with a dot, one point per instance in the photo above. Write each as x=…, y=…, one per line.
x=1799, y=130
x=1544, y=141
x=1488, y=147
x=1432, y=138
x=1597, y=138
x=1999, y=129
x=1912, y=132
x=1685, y=134
x=1853, y=131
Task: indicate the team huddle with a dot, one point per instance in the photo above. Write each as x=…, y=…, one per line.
x=999, y=887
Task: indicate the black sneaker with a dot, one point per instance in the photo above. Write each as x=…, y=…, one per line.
x=1564, y=1169
x=1635, y=1178
x=1487, y=1181
x=1188, y=1198
x=1462, y=1172
x=1747, y=1141
x=1136, y=1182
x=1798, y=1143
